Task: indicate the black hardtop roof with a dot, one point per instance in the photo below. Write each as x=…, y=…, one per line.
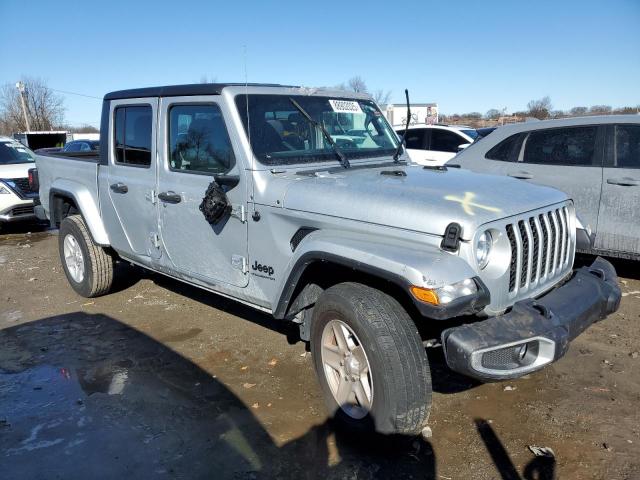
x=183, y=90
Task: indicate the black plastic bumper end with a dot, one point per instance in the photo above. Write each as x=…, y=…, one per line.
x=535, y=332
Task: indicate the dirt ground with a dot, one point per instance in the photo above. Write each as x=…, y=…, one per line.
x=162, y=380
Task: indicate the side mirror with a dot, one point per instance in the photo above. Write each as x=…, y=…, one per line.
x=215, y=204
x=462, y=146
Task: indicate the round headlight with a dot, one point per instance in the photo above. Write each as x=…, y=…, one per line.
x=483, y=249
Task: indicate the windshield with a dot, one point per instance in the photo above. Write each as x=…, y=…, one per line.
x=281, y=135
x=14, y=152
x=470, y=132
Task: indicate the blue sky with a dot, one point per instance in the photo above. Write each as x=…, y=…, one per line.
x=465, y=55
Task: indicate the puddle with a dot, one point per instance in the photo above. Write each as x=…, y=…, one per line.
x=111, y=381
x=121, y=420
x=27, y=238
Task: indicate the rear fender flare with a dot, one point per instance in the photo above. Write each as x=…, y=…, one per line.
x=86, y=204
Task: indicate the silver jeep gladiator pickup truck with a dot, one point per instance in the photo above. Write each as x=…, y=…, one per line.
x=301, y=203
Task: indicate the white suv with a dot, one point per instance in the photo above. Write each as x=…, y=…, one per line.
x=16, y=196
x=436, y=144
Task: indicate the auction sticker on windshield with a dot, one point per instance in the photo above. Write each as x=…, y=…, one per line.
x=345, y=106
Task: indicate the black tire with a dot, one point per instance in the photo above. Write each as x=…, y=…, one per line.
x=98, y=264
x=398, y=362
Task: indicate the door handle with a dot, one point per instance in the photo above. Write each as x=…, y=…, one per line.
x=521, y=175
x=170, y=197
x=119, y=187
x=625, y=182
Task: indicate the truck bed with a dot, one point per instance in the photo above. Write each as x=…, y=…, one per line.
x=75, y=172
x=93, y=156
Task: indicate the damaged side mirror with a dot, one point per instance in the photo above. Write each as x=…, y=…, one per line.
x=215, y=204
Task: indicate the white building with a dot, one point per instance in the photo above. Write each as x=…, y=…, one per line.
x=396, y=113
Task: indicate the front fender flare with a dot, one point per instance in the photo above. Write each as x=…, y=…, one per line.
x=400, y=262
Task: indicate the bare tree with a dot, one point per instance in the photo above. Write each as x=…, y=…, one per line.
x=45, y=109
x=541, y=108
x=627, y=110
x=207, y=79
x=357, y=84
x=381, y=97
x=601, y=109
x=578, y=111
x=493, y=114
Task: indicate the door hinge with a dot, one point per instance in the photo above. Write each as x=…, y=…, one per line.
x=155, y=239
x=151, y=196
x=240, y=263
x=239, y=212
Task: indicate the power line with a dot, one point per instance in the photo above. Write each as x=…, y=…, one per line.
x=74, y=93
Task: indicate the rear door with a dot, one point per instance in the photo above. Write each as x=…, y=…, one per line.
x=569, y=159
x=444, y=145
x=195, y=149
x=619, y=220
x=131, y=177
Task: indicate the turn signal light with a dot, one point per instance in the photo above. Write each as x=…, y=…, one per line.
x=425, y=295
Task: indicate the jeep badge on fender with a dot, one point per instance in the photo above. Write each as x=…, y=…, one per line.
x=262, y=268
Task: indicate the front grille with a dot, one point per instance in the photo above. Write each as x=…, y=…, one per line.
x=22, y=184
x=26, y=210
x=540, y=249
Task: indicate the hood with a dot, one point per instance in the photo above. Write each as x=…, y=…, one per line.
x=15, y=170
x=424, y=200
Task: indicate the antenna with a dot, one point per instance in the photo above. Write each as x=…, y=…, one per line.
x=246, y=99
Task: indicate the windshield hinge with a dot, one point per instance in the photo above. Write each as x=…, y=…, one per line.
x=151, y=196
x=240, y=263
x=239, y=212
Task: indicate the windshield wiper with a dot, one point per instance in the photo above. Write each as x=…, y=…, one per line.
x=341, y=156
x=396, y=155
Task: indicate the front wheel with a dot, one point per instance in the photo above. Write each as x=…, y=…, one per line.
x=370, y=361
x=88, y=267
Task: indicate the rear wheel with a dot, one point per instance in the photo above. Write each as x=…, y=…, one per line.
x=370, y=361
x=88, y=267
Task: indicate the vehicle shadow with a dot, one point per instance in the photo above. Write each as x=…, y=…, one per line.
x=86, y=396
x=624, y=268
x=229, y=306
x=23, y=227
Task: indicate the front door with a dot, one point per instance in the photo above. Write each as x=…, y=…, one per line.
x=619, y=220
x=416, y=144
x=196, y=148
x=131, y=177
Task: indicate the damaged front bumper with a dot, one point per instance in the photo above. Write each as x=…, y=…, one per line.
x=535, y=332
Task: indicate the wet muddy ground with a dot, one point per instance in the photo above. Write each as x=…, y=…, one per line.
x=161, y=380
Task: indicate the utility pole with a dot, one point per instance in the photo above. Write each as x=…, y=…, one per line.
x=21, y=88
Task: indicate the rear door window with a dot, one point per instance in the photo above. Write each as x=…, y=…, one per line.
x=446, y=141
x=133, y=129
x=416, y=138
x=575, y=146
x=507, y=150
x=627, y=146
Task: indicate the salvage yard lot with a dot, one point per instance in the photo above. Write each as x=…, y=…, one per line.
x=160, y=379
